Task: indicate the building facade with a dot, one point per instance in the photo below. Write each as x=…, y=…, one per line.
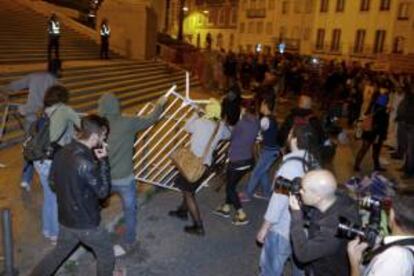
x=206, y=20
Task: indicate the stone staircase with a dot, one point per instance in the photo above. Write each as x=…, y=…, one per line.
x=133, y=82
x=23, y=40
x=23, y=37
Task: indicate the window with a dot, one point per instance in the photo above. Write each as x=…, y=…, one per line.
x=251, y=26
x=233, y=20
x=242, y=26
x=269, y=28
x=340, y=5
x=259, y=27
x=324, y=6
x=285, y=7
x=320, y=39
x=385, y=5
x=359, y=41
x=271, y=4
x=364, y=5
x=403, y=11
x=231, y=41
x=336, y=40
x=398, y=46
x=222, y=16
x=212, y=17
x=379, y=41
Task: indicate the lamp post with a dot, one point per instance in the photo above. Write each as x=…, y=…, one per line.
x=182, y=9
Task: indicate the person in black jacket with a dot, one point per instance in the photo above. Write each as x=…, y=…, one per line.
x=320, y=251
x=81, y=177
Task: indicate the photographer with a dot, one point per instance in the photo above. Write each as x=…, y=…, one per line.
x=274, y=233
x=320, y=250
x=396, y=255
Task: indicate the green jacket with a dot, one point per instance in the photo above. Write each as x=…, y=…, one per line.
x=122, y=134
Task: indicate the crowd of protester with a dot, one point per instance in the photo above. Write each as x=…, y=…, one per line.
x=92, y=158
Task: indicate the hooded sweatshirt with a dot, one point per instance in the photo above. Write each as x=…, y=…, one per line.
x=122, y=134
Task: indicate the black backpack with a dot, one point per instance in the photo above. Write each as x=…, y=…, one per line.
x=38, y=145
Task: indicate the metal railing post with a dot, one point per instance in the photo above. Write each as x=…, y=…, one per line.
x=9, y=269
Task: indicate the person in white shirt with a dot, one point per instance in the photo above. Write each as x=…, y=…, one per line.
x=275, y=231
x=396, y=254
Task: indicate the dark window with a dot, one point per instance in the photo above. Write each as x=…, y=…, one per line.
x=359, y=41
x=365, y=5
x=340, y=5
x=320, y=39
x=336, y=40
x=324, y=5
x=404, y=11
x=385, y=5
x=379, y=41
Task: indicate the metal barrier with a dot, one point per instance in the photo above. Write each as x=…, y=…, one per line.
x=154, y=146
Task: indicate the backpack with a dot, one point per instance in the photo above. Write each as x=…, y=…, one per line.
x=38, y=145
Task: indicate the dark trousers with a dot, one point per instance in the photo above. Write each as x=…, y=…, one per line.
x=409, y=159
x=98, y=240
x=104, y=47
x=235, y=173
x=53, y=45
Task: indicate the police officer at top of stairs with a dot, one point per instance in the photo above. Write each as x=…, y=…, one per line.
x=105, y=33
x=54, y=35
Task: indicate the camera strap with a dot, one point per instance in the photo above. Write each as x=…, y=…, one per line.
x=402, y=243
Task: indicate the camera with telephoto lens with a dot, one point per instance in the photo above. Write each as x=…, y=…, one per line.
x=374, y=206
x=293, y=186
x=350, y=231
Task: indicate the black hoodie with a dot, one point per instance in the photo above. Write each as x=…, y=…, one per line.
x=321, y=251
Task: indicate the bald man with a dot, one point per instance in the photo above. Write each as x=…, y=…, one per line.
x=321, y=252
x=301, y=115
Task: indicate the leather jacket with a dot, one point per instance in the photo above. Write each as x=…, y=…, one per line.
x=80, y=182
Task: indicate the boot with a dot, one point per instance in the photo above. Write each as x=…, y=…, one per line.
x=195, y=229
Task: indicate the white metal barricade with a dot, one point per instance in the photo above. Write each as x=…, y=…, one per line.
x=153, y=146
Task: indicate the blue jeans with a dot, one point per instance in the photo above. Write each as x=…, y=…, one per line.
x=127, y=190
x=275, y=252
x=27, y=172
x=50, y=225
x=260, y=173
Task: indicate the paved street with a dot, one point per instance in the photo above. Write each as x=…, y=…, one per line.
x=163, y=249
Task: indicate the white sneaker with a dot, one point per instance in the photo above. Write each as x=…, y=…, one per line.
x=26, y=186
x=119, y=250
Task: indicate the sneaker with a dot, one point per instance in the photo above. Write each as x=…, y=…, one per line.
x=259, y=196
x=25, y=186
x=222, y=211
x=240, y=220
x=244, y=198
